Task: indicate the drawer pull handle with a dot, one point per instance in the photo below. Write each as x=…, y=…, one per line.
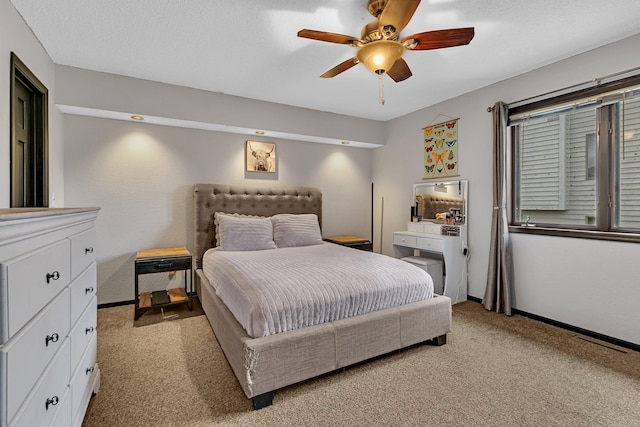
x=88, y=250
x=88, y=290
x=53, y=276
x=88, y=330
x=89, y=370
x=51, y=401
x=51, y=338
x=164, y=264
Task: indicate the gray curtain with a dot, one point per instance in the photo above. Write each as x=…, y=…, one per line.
x=497, y=295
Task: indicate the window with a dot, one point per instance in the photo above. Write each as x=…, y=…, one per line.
x=575, y=162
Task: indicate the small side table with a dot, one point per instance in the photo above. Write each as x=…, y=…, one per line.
x=159, y=261
x=352, y=242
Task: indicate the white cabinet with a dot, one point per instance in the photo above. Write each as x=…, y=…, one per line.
x=47, y=316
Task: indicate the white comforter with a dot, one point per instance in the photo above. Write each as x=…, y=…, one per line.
x=278, y=290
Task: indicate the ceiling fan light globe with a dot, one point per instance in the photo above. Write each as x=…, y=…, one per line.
x=379, y=56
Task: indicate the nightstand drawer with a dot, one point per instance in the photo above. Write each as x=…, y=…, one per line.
x=164, y=264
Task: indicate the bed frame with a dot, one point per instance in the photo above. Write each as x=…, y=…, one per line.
x=263, y=365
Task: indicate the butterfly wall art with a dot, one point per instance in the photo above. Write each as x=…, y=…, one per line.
x=441, y=149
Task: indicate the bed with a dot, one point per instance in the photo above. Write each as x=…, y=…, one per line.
x=263, y=364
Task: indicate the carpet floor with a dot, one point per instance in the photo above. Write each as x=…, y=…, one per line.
x=167, y=369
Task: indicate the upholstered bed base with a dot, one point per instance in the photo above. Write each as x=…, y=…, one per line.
x=263, y=365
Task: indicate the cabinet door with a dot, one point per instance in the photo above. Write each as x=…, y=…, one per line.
x=34, y=280
x=82, y=332
x=48, y=396
x=27, y=355
x=82, y=377
x=83, y=289
x=83, y=251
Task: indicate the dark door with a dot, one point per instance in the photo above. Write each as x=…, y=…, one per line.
x=23, y=149
x=29, y=168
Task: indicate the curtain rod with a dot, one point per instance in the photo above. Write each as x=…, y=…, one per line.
x=593, y=82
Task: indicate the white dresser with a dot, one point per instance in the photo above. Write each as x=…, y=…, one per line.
x=48, y=309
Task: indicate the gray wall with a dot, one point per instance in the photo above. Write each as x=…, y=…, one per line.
x=586, y=283
x=142, y=176
x=16, y=37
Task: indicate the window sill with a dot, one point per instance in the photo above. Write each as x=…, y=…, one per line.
x=580, y=234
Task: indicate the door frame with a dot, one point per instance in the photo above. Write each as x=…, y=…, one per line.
x=40, y=132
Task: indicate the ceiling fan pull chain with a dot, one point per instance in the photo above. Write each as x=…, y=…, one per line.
x=380, y=89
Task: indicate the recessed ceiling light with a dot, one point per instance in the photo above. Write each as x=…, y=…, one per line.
x=259, y=132
x=345, y=142
x=137, y=117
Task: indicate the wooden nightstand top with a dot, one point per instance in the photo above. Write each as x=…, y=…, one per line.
x=347, y=240
x=162, y=253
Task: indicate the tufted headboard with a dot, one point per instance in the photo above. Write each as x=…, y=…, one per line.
x=264, y=201
x=429, y=204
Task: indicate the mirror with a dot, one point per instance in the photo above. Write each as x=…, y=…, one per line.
x=434, y=199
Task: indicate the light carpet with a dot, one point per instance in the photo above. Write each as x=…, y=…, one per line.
x=168, y=370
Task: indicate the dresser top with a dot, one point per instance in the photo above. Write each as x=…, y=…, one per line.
x=10, y=214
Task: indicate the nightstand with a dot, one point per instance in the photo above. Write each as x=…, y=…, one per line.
x=159, y=261
x=352, y=242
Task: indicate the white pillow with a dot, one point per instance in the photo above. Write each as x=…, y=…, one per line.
x=216, y=221
x=296, y=230
x=245, y=234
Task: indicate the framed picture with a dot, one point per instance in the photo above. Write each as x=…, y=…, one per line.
x=441, y=150
x=260, y=156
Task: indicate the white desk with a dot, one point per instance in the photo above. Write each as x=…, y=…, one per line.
x=448, y=248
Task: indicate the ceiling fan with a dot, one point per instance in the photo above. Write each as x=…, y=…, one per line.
x=380, y=48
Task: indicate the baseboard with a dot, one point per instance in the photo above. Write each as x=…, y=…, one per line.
x=586, y=332
x=115, y=304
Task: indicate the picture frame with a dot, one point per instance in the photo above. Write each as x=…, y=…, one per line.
x=260, y=156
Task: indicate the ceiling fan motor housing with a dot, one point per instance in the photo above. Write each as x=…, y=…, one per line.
x=376, y=7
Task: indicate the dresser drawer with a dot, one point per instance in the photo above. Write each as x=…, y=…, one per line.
x=83, y=374
x=32, y=281
x=49, y=394
x=63, y=416
x=82, y=332
x=83, y=289
x=83, y=251
x=29, y=352
x=404, y=240
x=430, y=244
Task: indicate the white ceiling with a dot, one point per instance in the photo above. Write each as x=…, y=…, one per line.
x=249, y=48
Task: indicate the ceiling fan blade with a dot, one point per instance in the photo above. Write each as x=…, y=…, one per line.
x=396, y=14
x=439, y=39
x=323, y=36
x=400, y=71
x=343, y=66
